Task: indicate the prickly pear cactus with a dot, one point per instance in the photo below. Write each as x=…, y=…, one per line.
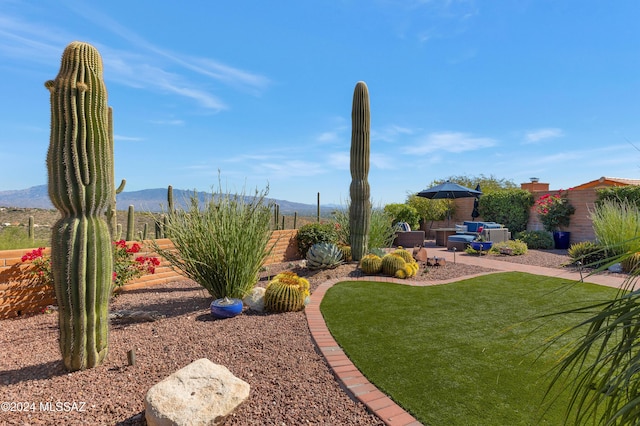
x=287, y=292
x=359, y=191
x=80, y=183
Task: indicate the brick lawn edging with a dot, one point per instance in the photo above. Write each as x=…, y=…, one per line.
x=22, y=294
x=354, y=383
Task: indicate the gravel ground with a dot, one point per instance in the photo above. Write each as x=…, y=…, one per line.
x=290, y=381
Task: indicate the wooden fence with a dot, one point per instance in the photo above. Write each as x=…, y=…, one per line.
x=22, y=293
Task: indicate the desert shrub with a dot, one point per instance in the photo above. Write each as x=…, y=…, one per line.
x=222, y=244
x=616, y=224
x=403, y=213
x=377, y=252
x=629, y=193
x=536, y=239
x=314, y=233
x=517, y=247
x=588, y=253
x=509, y=207
x=381, y=230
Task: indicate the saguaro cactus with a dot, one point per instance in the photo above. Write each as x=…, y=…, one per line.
x=360, y=207
x=81, y=187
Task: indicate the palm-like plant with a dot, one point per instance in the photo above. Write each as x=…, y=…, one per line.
x=602, y=367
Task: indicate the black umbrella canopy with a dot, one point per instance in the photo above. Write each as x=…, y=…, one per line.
x=476, y=203
x=448, y=190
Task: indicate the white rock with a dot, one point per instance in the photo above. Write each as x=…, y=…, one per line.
x=202, y=393
x=255, y=299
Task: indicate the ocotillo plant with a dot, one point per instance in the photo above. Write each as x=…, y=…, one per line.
x=81, y=187
x=360, y=209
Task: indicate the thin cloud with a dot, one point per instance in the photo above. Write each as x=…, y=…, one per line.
x=390, y=133
x=168, y=122
x=291, y=168
x=542, y=134
x=328, y=137
x=127, y=138
x=455, y=142
x=203, y=66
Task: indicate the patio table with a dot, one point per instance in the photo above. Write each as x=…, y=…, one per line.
x=442, y=234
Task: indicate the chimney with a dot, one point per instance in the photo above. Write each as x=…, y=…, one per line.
x=535, y=185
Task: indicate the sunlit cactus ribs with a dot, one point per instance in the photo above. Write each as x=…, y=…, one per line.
x=360, y=208
x=81, y=187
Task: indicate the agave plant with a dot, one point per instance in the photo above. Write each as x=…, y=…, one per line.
x=324, y=256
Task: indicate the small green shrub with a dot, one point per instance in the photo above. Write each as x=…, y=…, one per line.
x=536, y=239
x=516, y=247
x=403, y=213
x=377, y=252
x=588, y=253
x=381, y=231
x=314, y=233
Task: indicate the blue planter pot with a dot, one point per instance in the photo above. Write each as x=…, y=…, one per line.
x=481, y=245
x=561, y=239
x=226, y=308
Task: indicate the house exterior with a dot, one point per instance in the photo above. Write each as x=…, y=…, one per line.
x=582, y=197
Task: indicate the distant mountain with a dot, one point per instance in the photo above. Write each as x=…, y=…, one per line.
x=152, y=200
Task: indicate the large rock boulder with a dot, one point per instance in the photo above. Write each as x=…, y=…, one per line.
x=255, y=299
x=202, y=393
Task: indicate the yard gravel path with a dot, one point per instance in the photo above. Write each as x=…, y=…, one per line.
x=290, y=381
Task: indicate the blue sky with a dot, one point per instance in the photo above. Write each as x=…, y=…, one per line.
x=262, y=91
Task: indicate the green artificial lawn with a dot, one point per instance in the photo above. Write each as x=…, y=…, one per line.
x=467, y=353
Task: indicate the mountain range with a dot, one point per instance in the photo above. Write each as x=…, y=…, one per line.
x=151, y=200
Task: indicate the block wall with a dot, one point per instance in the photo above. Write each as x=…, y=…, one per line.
x=22, y=293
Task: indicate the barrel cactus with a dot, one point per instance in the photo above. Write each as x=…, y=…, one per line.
x=346, y=253
x=631, y=264
x=391, y=263
x=408, y=257
x=371, y=264
x=286, y=292
x=324, y=256
x=81, y=187
x=359, y=191
x=396, y=265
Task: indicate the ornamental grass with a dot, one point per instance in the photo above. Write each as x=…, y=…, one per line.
x=222, y=244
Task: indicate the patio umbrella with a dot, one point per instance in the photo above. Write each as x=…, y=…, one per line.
x=475, y=213
x=448, y=190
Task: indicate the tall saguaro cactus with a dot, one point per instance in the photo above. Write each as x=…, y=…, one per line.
x=81, y=187
x=360, y=208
